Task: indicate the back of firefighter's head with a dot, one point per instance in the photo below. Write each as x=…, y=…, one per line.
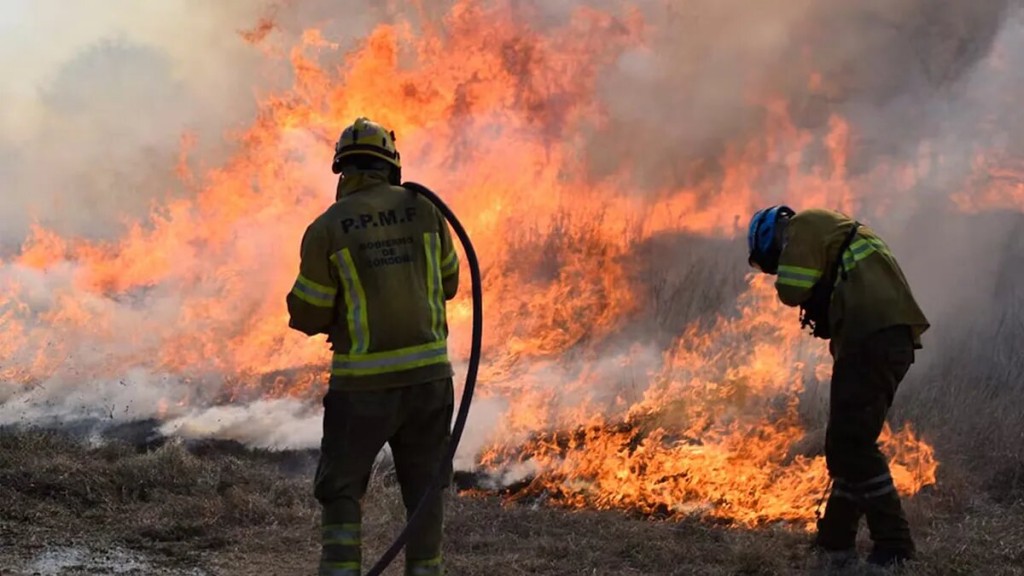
x=764, y=237
x=366, y=145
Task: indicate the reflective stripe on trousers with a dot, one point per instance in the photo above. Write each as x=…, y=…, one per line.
x=431, y=567
x=347, y=535
x=340, y=552
x=340, y=569
x=871, y=488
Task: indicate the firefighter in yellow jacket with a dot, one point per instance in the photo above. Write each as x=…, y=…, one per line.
x=377, y=268
x=852, y=292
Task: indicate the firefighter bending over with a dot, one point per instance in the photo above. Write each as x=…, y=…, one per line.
x=852, y=292
x=376, y=270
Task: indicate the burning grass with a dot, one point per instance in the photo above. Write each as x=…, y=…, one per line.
x=616, y=298
x=218, y=508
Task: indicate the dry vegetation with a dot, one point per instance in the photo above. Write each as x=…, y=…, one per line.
x=215, y=508
x=218, y=508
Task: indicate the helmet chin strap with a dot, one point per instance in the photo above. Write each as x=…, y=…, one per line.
x=769, y=263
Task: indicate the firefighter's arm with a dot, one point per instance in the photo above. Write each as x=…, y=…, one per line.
x=801, y=263
x=449, y=261
x=311, y=300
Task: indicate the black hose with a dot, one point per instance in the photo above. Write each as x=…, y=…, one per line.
x=471, y=371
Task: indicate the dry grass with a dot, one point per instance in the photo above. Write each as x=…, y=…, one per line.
x=219, y=509
x=168, y=501
x=215, y=508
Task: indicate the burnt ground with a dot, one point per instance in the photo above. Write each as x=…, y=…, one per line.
x=161, y=508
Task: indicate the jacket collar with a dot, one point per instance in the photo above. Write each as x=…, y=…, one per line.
x=360, y=180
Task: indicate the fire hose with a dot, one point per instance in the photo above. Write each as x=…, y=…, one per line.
x=471, y=372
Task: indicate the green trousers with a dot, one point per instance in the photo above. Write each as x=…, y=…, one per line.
x=415, y=421
x=864, y=381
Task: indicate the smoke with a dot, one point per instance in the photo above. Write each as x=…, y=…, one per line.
x=283, y=424
x=112, y=110
x=893, y=69
x=99, y=96
x=922, y=84
x=95, y=116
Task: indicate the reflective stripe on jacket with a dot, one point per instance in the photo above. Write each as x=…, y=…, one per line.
x=376, y=271
x=875, y=293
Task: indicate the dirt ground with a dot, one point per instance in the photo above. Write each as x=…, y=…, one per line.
x=212, y=509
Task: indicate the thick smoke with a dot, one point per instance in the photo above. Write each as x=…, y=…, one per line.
x=922, y=84
x=102, y=104
x=890, y=68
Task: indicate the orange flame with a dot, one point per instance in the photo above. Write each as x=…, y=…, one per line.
x=723, y=421
x=998, y=183
x=494, y=115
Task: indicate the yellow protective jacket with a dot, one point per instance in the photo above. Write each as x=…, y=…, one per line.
x=875, y=293
x=376, y=270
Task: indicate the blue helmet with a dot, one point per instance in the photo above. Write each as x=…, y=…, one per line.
x=762, y=238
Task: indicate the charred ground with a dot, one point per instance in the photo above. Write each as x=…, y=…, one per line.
x=68, y=506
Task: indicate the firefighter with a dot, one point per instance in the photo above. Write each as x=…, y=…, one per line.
x=852, y=292
x=376, y=270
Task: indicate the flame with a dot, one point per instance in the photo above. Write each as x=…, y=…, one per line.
x=714, y=434
x=495, y=116
x=997, y=183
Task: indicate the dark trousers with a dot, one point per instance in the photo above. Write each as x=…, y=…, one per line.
x=416, y=422
x=864, y=381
